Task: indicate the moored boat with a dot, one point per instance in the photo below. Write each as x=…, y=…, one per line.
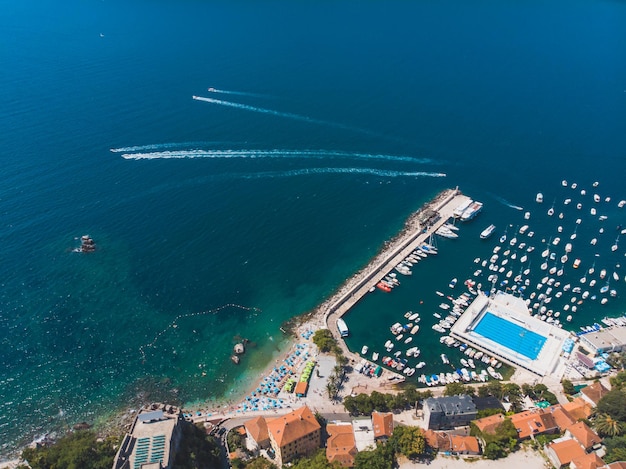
x=473, y=210
x=487, y=232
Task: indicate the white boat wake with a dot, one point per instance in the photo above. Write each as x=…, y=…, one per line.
x=289, y=115
x=162, y=146
x=313, y=171
x=239, y=93
x=507, y=203
x=274, y=153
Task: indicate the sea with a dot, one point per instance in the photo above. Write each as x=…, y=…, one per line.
x=319, y=128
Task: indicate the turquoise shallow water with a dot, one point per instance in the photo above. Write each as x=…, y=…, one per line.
x=343, y=116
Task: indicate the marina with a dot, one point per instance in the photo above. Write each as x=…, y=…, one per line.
x=530, y=271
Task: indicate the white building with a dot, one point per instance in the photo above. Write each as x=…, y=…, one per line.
x=502, y=326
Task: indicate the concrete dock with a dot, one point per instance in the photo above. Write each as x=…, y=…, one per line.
x=418, y=229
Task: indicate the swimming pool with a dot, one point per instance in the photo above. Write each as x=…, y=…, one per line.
x=510, y=335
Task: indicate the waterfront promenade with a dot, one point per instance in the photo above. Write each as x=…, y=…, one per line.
x=416, y=232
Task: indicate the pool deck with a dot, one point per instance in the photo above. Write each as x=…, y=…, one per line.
x=512, y=309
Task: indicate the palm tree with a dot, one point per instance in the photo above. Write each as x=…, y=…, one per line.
x=330, y=389
x=608, y=426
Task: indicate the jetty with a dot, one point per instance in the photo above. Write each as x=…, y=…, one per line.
x=419, y=228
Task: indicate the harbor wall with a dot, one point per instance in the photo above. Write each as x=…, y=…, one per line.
x=413, y=235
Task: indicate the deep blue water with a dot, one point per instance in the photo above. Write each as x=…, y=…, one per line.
x=285, y=199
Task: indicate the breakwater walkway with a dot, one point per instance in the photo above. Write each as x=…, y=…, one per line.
x=419, y=227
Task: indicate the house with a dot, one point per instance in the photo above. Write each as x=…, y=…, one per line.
x=341, y=445
x=579, y=408
x=584, y=435
x=593, y=393
x=563, y=451
x=382, y=422
x=534, y=422
x=490, y=424
x=448, y=412
x=616, y=465
x=152, y=440
x=257, y=433
x=293, y=435
x=588, y=461
x=464, y=445
x=562, y=417
x=449, y=443
x=438, y=440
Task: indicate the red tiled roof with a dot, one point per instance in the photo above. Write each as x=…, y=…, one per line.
x=257, y=428
x=595, y=392
x=578, y=408
x=567, y=450
x=533, y=422
x=290, y=427
x=382, y=423
x=588, y=461
x=462, y=444
x=438, y=440
x=340, y=446
x=561, y=416
x=489, y=424
x=584, y=435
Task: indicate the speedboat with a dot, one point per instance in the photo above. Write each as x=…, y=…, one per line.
x=539, y=198
x=364, y=350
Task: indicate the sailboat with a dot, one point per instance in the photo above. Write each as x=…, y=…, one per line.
x=503, y=237
x=551, y=209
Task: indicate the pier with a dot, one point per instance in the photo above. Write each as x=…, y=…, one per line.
x=419, y=227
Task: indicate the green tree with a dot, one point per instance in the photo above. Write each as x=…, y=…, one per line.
x=487, y=412
x=324, y=340
x=614, y=404
x=494, y=451
x=79, y=450
x=378, y=401
x=615, y=449
x=568, y=387
x=492, y=388
x=619, y=380
x=455, y=389
x=317, y=461
x=380, y=458
x=608, y=426
x=527, y=390
x=197, y=449
x=235, y=440
x=409, y=441
x=260, y=463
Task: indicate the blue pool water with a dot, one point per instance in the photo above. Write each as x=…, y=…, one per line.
x=510, y=335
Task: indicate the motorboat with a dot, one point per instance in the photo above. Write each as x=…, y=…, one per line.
x=487, y=232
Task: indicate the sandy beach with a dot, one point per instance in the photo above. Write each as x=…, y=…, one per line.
x=253, y=400
x=522, y=459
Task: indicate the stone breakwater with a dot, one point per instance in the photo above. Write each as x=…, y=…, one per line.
x=417, y=229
